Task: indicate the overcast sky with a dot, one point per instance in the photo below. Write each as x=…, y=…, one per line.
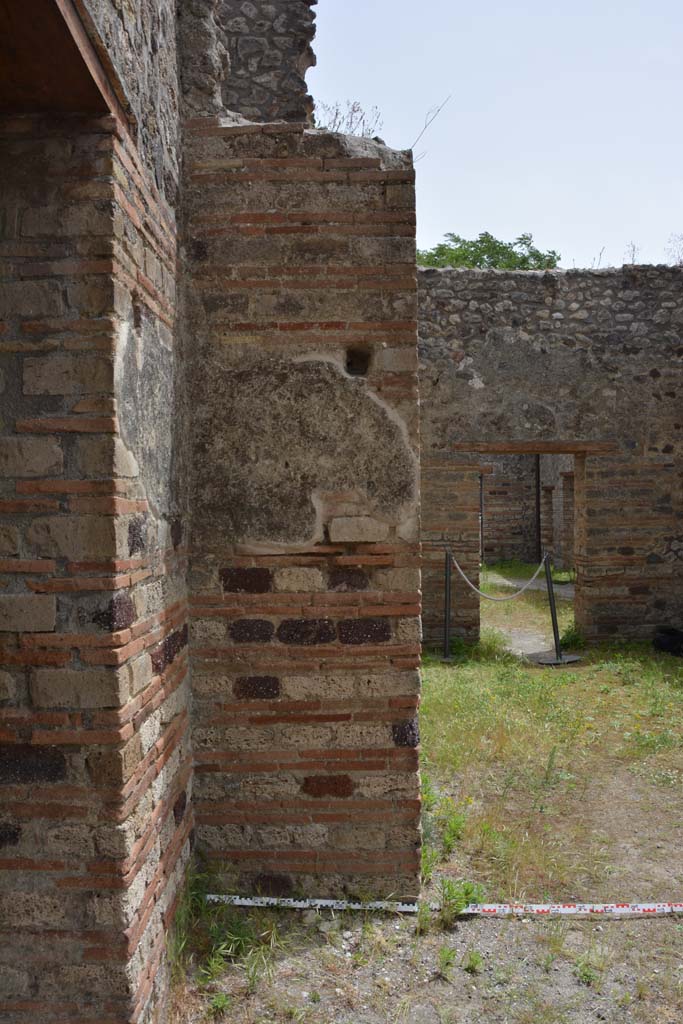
x=566, y=119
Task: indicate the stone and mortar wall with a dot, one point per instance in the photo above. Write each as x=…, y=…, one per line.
x=575, y=356
x=136, y=43
x=304, y=554
x=94, y=757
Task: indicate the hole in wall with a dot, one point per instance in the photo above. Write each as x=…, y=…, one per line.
x=358, y=361
x=138, y=315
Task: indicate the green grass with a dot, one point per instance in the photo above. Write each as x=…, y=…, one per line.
x=515, y=569
x=530, y=611
x=472, y=962
x=509, y=748
x=208, y=938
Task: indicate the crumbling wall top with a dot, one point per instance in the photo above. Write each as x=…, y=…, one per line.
x=269, y=43
x=248, y=56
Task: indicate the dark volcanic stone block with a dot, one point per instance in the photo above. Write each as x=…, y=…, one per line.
x=119, y=613
x=247, y=581
x=10, y=835
x=20, y=762
x=406, y=734
x=306, y=632
x=348, y=579
x=328, y=785
x=364, y=631
x=256, y=688
x=256, y=631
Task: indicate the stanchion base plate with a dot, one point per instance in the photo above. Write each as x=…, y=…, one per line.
x=566, y=659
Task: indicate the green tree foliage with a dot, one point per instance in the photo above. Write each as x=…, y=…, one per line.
x=488, y=253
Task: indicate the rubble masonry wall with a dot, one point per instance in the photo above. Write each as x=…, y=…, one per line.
x=589, y=358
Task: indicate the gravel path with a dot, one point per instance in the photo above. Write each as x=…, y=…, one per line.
x=563, y=591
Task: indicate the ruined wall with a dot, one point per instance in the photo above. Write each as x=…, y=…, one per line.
x=246, y=57
x=304, y=554
x=269, y=50
x=575, y=356
x=94, y=761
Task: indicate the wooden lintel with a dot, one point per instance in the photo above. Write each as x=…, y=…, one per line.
x=535, y=447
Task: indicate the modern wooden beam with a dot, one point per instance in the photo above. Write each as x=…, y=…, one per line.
x=535, y=447
x=103, y=79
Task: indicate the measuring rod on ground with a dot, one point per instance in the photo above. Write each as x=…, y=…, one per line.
x=492, y=910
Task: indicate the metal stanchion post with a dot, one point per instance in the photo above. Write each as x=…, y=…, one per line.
x=447, y=608
x=481, y=519
x=560, y=658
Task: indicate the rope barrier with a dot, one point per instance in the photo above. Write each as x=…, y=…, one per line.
x=510, y=597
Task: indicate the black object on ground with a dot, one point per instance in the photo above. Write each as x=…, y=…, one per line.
x=669, y=639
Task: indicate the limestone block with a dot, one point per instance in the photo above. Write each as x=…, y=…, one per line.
x=297, y=579
x=208, y=631
x=398, y=579
x=8, y=687
x=31, y=298
x=82, y=219
x=357, y=530
x=92, y=296
x=409, y=630
x=103, y=688
x=27, y=613
x=104, y=456
x=409, y=530
x=14, y=982
x=81, y=538
x=30, y=457
x=399, y=360
x=9, y=540
x=149, y=599
x=65, y=374
x=74, y=840
x=139, y=673
x=104, y=910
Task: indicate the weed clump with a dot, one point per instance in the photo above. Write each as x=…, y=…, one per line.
x=455, y=896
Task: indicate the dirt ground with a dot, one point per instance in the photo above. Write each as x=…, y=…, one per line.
x=346, y=971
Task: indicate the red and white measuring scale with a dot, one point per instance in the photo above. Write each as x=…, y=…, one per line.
x=496, y=910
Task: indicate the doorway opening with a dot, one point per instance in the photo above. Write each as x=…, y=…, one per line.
x=526, y=511
x=552, y=514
